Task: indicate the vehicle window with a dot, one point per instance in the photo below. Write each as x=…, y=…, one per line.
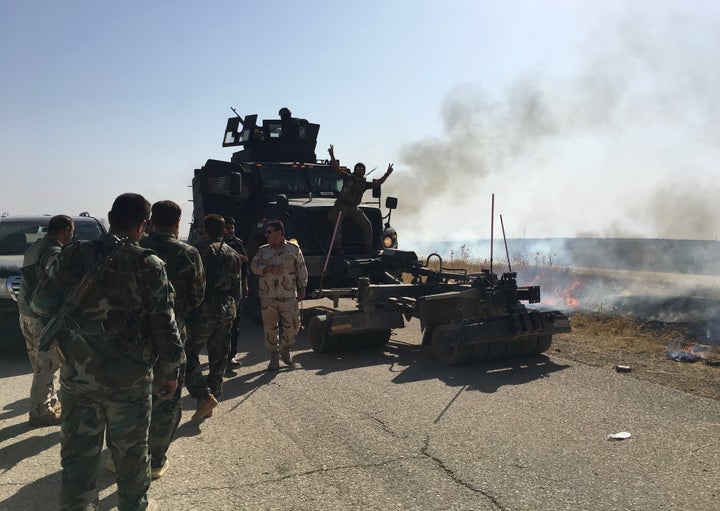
x=286, y=180
x=16, y=237
x=89, y=231
x=325, y=182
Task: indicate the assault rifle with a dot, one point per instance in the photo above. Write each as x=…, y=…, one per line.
x=76, y=297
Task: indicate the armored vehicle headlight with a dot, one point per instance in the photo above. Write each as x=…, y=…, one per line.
x=388, y=241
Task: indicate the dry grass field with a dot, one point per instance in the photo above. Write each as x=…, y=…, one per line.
x=617, y=342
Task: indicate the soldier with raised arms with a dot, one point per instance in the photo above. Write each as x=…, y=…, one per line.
x=348, y=202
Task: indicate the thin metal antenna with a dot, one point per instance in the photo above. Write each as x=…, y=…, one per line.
x=492, y=230
x=507, y=252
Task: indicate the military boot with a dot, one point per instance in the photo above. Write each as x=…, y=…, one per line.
x=285, y=355
x=51, y=418
x=204, y=409
x=274, y=364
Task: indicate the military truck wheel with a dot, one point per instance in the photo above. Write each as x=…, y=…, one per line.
x=445, y=350
x=318, y=334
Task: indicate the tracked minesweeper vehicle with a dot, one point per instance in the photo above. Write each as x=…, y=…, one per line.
x=464, y=317
x=277, y=176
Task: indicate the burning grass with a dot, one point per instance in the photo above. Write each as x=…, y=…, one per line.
x=608, y=332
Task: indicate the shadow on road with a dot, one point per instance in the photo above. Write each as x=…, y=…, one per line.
x=37, y=494
x=12, y=454
x=415, y=363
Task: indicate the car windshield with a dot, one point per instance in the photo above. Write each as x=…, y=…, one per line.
x=17, y=236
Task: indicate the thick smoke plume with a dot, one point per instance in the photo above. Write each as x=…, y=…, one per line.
x=628, y=145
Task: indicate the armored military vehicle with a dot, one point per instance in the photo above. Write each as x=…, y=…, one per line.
x=277, y=176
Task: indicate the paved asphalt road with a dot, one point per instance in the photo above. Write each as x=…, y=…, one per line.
x=390, y=429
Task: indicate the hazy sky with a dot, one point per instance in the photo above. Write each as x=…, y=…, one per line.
x=585, y=118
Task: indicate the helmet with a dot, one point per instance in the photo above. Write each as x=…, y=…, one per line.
x=284, y=113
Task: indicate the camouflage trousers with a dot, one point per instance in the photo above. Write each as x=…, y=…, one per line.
x=213, y=333
x=45, y=365
x=89, y=412
x=356, y=215
x=166, y=414
x=276, y=312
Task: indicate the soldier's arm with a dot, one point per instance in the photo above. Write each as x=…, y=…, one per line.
x=49, y=296
x=302, y=275
x=236, y=285
x=195, y=279
x=378, y=182
x=256, y=265
x=163, y=332
x=335, y=164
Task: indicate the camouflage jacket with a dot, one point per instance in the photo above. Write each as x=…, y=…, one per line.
x=126, y=324
x=354, y=187
x=238, y=246
x=35, y=265
x=222, y=271
x=294, y=276
x=184, y=269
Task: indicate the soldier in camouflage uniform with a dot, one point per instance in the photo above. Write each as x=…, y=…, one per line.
x=283, y=278
x=186, y=273
x=348, y=202
x=238, y=246
x=44, y=404
x=209, y=325
x=124, y=327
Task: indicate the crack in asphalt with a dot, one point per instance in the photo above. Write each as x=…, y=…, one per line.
x=452, y=475
x=423, y=454
x=329, y=469
x=383, y=425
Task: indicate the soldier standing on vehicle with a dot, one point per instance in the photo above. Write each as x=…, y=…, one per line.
x=186, y=273
x=283, y=278
x=348, y=202
x=238, y=246
x=44, y=403
x=209, y=325
x=123, y=327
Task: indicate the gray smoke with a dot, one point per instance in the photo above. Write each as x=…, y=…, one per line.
x=626, y=146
